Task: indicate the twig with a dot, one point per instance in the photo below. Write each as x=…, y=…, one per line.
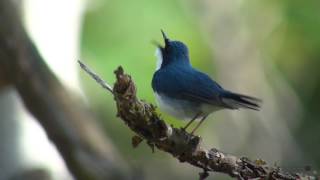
x=142, y=118
x=96, y=77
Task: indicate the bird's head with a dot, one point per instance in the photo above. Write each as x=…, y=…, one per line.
x=172, y=52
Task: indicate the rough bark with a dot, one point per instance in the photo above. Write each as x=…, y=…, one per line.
x=142, y=118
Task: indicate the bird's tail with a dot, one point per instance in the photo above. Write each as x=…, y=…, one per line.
x=236, y=101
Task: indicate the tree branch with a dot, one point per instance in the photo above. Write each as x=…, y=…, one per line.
x=141, y=117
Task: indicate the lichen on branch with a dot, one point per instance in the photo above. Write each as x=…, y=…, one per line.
x=142, y=118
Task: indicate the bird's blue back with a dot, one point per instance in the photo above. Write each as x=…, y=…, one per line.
x=181, y=81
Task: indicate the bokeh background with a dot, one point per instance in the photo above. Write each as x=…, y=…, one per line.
x=269, y=49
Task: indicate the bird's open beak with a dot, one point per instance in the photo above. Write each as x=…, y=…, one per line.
x=165, y=37
x=157, y=44
x=166, y=40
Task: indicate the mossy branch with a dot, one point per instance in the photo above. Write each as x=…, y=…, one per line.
x=142, y=118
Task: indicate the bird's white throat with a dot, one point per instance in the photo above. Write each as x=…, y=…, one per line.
x=159, y=58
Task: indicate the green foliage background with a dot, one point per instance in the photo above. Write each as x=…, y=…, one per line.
x=118, y=32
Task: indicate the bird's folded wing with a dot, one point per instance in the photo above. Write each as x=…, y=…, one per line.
x=200, y=98
x=198, y=87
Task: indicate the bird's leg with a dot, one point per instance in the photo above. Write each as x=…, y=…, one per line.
x=195, y=117
x=198, y=124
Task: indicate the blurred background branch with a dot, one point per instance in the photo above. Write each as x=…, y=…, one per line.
x=68, y=124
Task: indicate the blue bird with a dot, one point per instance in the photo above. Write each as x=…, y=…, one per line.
x=187, y=93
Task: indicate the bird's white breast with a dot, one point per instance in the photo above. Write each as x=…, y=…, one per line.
x=182, y=109
x=173, y=107
x=159, y=58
